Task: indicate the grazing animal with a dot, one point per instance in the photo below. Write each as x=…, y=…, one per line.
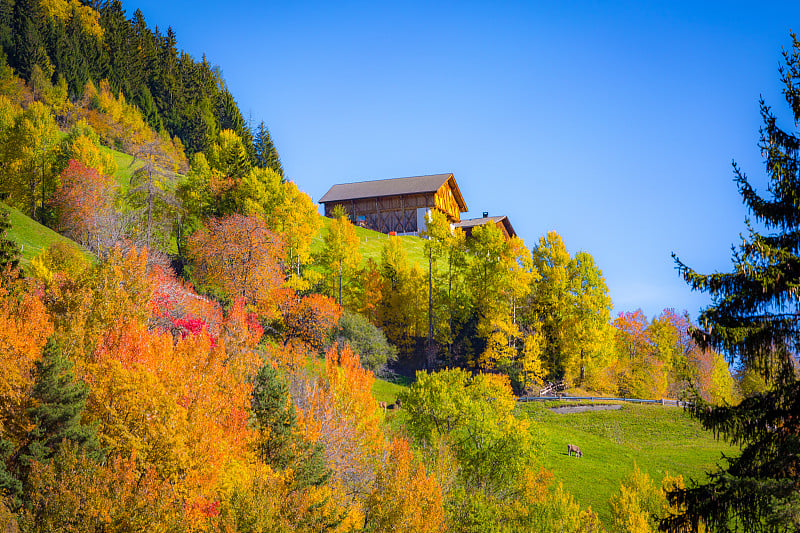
x=398, y=403
x=571, y=448
x=382, y=405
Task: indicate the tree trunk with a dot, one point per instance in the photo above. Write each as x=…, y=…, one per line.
x=430, y=298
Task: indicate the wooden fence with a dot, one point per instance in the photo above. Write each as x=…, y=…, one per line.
x=662, y=401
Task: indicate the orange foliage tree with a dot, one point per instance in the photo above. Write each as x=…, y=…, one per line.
x=241, y=256
x=341, y=413
x=308, y=319
x=84, y=204
x=24, y=329
x=74, y=493
x=117, y=290
x=405, y=497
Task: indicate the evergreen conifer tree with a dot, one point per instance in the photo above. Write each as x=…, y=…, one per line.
x=755, y=319
x=280, y=445
x=10, y=486
x=57, y=410
x=266, y=153
x=9, y=250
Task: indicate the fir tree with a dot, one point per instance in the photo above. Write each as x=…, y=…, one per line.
x=9, y=250
x=29, y=49
x=59, y=401
x=280, y=445
x=755, y=319
x=10, y=485
x=266, y=154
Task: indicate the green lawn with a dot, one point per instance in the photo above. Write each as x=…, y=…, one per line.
x=372, y=243
x=386, y=391
x=31, y=236
x=657, y=439
x=125, y=166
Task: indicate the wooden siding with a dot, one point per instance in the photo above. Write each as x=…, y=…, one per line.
x=385, y=214
x=445, y=201
x=398, y=213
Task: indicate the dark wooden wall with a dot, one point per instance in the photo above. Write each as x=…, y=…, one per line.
x=385, y=214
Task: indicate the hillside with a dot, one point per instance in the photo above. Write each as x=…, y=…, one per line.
x=659, y=440
x=31, y=236
x=656, y=439
x=372, y=242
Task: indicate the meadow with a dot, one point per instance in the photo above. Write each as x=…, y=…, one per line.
x=657, y=439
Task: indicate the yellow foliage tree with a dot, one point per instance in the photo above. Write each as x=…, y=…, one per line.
x=405, y=497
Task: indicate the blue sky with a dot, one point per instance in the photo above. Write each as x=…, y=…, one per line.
x=613, y=124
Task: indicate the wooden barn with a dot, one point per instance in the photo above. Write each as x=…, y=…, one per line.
x=399, y=204
x=502, y=222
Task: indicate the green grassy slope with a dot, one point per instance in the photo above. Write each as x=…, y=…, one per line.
x=34, y=237
x=125, y=166
x=372, y=242
x=31, y=236
x=656, y=439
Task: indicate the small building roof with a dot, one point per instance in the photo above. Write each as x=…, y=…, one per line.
x=470, y=223
x=393, y=187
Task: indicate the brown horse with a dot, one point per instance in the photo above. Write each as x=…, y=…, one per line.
x=571, y=448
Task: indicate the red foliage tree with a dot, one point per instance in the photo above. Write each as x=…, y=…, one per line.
x=308, y=319
x=84, y=202
x=241, y=256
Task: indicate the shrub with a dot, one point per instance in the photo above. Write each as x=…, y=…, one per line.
x=368, y=341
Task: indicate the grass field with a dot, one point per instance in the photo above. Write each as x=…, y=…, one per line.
x=31, y=236
x=125, y=166
x=372, y=242
x=657, y=439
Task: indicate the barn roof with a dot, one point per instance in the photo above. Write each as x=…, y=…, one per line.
x=470, y=223
x=393, y=187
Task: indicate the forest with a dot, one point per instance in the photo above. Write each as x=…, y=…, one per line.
x=202, y=352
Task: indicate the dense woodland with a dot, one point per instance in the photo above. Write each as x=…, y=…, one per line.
x=200, y=365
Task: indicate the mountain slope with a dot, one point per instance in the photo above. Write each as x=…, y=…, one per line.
x=31, y=236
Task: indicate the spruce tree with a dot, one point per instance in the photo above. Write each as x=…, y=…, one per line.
x=280, y=445
x=755, y=320
x=9, y=250
x=57, y=410
x=266, y=153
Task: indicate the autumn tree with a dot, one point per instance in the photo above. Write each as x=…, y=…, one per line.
x=340, y=255
x=84, y=206
x=241, y=256
x=499, y=276
x=297, y=220
x=754, y=319
x=229, y=155
x=401, y=309
x=475, y=414
x=152, y=191
x=308, y=319
x=75, y=490
x=82, y=144
x=570, y=306
x=640, y=503
x=31, y=150
x=404, y=496
x=340, y=412
x=436, y=234
x=641, y=367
